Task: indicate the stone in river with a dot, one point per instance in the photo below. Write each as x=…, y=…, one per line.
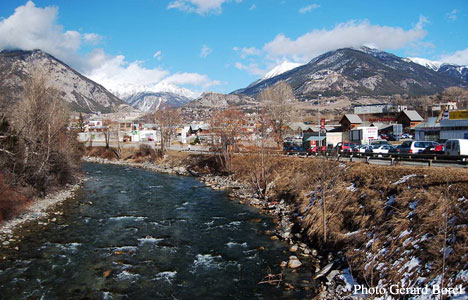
x=294, y=262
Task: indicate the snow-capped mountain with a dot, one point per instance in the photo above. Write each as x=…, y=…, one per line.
x=126, y=90
x=360, y=72
x=82, y=94
x=280, y=69
x=151, y=101
x=456, y=71
x=430, y=64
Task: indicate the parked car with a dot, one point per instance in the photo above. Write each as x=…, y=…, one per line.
x=353, y=148
x=415, y=147
x=435, y=149
x=380, y=149
x=392, y=137
x=363, y=148
x=395, y=149
x=380, y=142
x=344, y=147
x=296, y=150
x=406, y=136
x=456, y=147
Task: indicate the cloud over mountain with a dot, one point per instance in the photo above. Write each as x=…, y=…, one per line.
x=349, y=34
x=31, y=27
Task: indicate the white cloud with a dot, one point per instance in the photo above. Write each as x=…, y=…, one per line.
x=349, y=34
x=194, y=79
x=458, y=58
x=31, y=27
x=247, y=51
x=205, y=51
x=92, y=38
x=121, y=76
x=308, y=8
x=201, y=7
x=251, y=68
x=252, y=7
x=453, y=14
x=158, y=55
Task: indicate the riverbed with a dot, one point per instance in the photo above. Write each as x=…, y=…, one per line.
x=135, y=234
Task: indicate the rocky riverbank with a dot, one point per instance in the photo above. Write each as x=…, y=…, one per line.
x=39, y=208
x=333, y=278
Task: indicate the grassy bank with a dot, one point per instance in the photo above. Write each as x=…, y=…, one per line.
x=394, y=225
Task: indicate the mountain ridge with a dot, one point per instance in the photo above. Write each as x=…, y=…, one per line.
x=151, y=101
x=359, y=72
x=80, y=92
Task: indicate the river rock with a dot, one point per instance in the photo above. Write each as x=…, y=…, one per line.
x=294, y=262
x=332, y=275
x=293, y=248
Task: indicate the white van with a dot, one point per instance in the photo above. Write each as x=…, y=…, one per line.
x=456, y=147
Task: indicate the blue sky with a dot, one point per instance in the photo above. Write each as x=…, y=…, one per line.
x=223, y=45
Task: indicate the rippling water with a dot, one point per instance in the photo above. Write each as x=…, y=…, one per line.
x=134, y=234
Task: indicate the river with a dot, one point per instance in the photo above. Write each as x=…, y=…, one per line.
x=136, y=234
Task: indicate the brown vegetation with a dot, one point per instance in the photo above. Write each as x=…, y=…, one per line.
x=379, y=218
x=37, y=150
x=11, y=201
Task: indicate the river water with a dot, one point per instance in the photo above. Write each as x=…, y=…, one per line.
x=135, y=234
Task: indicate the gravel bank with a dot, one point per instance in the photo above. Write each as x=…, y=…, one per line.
x=37, y=209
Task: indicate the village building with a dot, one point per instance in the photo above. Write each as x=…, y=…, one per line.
x=350, y=121
x=409, y=119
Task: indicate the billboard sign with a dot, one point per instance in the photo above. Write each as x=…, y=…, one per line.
x=458, y=115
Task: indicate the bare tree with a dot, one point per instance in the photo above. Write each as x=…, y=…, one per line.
x=277, y=101
x=227, y=128
x=39, y=123
x=261, y=168
x=107, y=131
x=167, y=119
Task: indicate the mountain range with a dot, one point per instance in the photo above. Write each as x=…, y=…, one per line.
x=364, y=72
x=352, y=72
x=82, y=94
x=151, y=101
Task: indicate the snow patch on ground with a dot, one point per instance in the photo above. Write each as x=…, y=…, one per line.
x=404, y=179
x=352, y=188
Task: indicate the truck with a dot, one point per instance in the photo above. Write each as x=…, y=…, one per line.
x=456, y=147
x=364, y=135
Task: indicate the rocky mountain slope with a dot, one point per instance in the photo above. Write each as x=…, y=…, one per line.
x=217, y=100
x=83, y=94
x=359, y=72
x=151, y=101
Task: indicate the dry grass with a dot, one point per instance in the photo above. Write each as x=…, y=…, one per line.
x=362, y=219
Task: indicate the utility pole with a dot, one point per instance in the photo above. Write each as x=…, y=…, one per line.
x=318, y=146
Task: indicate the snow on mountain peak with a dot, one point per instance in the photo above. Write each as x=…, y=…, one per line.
x=124, y=90
x=280, y=69
x=430, y=64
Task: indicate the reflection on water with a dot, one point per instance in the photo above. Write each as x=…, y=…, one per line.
x=133, y=234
